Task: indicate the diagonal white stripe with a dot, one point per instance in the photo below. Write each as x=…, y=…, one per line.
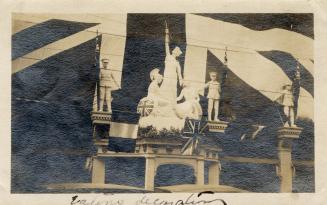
x=207, y=32
x=50, y=50
x=113, y=26
x=264, y=76
x=257, y=71
x=308, y=65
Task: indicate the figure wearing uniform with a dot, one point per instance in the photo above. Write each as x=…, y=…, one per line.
x=107, y=84
x=213, y=96
x=287, y=99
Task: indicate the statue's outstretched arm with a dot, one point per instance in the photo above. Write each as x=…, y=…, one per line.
x=179, y=73
x=167, y=39
x=180, y=97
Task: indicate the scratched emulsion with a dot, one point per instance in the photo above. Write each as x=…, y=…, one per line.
x=52, y=136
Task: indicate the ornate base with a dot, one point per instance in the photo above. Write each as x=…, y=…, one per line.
x=101, y=145
x=161, y=123
x=217, y=126
x=289, y=132
x=100, y=117
x=286, y=135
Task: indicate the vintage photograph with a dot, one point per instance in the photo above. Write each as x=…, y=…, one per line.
x=162, y=103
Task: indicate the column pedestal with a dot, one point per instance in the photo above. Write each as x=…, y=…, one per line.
x=150, y=173
x=217, y=126
x=98, y=171
x=214, y=172
x=200, y=172
x=286, y=135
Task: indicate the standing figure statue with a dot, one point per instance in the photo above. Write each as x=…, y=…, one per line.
x=287, y=100
x=107, y=84
x=213, y=96
x=172, y=72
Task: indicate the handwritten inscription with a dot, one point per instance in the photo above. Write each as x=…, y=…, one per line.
x=192, y=199
x=77, y=201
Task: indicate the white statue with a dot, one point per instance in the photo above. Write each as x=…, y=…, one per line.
x=151, y=104
x=172, y=72
x=107, y=84
x=287, y=100
x=154, y=89
x=191, y=108
x=213, y=96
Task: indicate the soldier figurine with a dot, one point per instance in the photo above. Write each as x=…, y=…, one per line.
x=107, y=84
x=287, y=100
x=213, y=96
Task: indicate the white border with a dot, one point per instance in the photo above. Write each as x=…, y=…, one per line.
x=318, y=7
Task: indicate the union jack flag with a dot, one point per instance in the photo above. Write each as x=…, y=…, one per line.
x=145, y=107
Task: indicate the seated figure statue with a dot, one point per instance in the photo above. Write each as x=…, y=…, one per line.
x=191, y=107
x=155, y=109
x=150, y=104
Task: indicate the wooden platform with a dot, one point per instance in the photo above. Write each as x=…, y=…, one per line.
x=75, y=186
x=193, y=188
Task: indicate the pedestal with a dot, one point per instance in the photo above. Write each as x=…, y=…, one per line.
x=214, y=172
x=200, y=172
x=98, y=171
x=101, y=145
x=286, y=135
x=217, y=126
x=149, y=173
x=100, y=117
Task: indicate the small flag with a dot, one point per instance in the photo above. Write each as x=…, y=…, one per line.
x=89, y=164
x=194, y=126
x=252, y=132
x=190, y=146
x=145, y=107
x=123, y=130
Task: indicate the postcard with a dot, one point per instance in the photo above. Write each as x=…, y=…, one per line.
x=199, y=102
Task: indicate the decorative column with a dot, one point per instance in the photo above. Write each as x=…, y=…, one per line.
x=214, y=172
x=286, y=135
x=150, y=172
x=200, y=172
x=98, y=171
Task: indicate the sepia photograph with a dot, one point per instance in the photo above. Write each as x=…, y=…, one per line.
x=162, y=103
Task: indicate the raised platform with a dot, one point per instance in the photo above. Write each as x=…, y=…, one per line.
x=190, y=188
x=93, y=186
x=173, y=146
x=217, y=126
x=100, y=117
x=194, y=188
x=161, y=123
